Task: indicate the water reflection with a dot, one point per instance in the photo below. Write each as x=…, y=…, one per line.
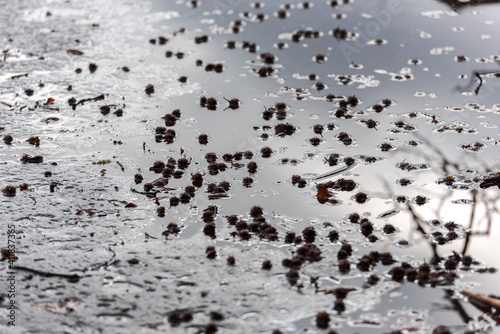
x=441, y=185
x=459, y=4
x=244, y=114
x=478, y=76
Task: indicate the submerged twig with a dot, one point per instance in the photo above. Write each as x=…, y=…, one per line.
x=457, y=306
x=436, y=258
x=109, y=262
x=471, y=221
x=70, y=277
x=335, y=172
x=482, y=300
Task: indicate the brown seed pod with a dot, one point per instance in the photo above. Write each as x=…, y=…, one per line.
x=233, y=104
x=211, y=103
x=322, y=320
x=265, y=71
x=197, y=180
x=282, y=14
x=315, y=141
x=211, y=252
x=267, y=265
x=92, y=67
x=256, y=211
x=361, y=197
x=160, y=211
x=252, y=167
x=284, y=129
x=150, y=89
x=9, y=191
x=7, y=139
x=319, y=58
x=345, y=138
x=203, y=139
x=267, y=58
x=292, y=276
x=266, y=152
x=333, y=236
x=344, y=266
x=169, y=119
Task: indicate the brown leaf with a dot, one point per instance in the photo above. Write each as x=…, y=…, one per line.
x=34, y=141
x=74, y=52
x=85, y=213
x=62, y=306
x=323, y=195
x=50, y=120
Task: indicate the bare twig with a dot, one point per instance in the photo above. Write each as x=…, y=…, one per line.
x=70, y=277
x=485, y=301
x=92, y=99
x=19, y=76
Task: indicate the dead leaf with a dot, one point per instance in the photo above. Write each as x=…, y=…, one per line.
x=62, y=306
x=50, y=120
x=85, y=213
x=323, y=195
x=74, y=52
x=34, y=141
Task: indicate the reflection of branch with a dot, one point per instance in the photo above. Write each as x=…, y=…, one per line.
x=457, y=306
x=485, y=302
x=479, y=75
x=490, y=305
x=96, y=266
x=480, y=199
x=477, y=197
x=445, y=162
x=436, y=258
x=442, y=201
x=417, y=219
x=480, y=83
x=472, y=214
x=459, y=4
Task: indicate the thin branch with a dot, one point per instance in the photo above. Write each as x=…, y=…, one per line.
x=480, y=82
x=92, y=99
x=19, y=76
x=70, y=277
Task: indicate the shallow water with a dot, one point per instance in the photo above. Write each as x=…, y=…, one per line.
x=435, y=63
